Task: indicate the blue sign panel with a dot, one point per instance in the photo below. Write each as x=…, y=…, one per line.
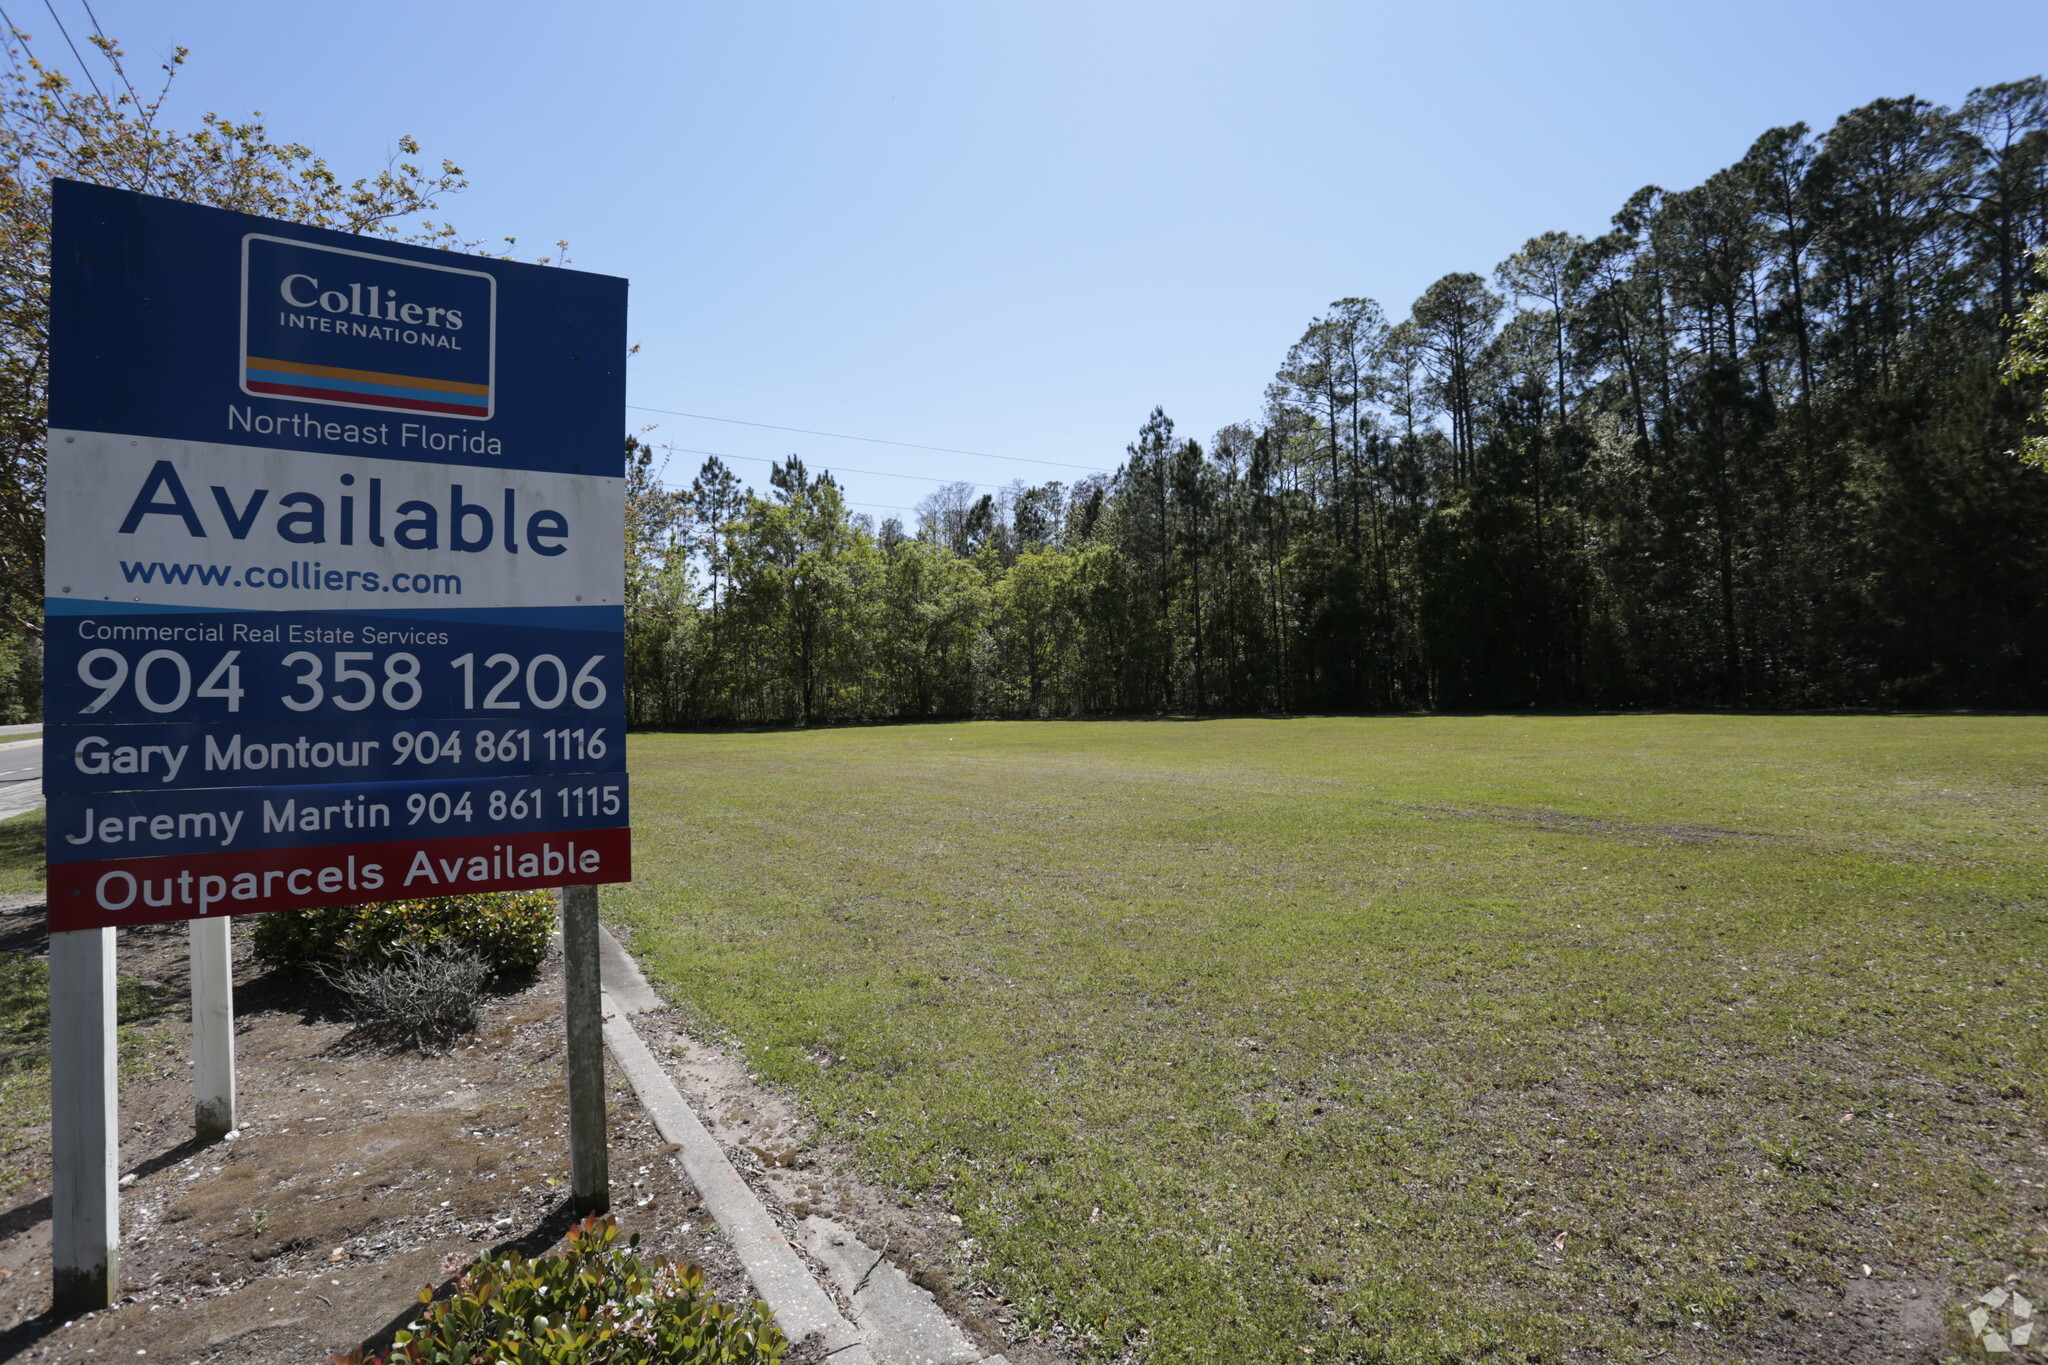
x=333, y=584
x=151, y=299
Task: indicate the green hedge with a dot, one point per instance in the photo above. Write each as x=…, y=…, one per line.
x=509, y=930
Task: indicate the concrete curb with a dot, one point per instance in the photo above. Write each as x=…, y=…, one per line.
x=623, y=981
x=778, y=1273
x=902, y=1322
x=895, y=1322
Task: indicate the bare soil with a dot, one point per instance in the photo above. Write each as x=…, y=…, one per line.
x=1565, y=823
x=359, y=1177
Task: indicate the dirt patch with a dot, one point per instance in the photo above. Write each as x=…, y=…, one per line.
x=1564, y=823
x=1786, y=1307
x=360, y=1176
x=1888, y=1315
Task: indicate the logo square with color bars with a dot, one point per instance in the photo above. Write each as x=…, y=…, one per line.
x=353, y=329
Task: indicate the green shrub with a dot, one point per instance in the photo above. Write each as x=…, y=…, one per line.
x=508, y=930
x=596, y=1303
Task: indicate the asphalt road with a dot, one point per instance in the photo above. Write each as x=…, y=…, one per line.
x=21, y=777
x=24, y=764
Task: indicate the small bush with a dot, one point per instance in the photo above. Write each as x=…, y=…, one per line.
x=596, y=1303
x=507, y=930
x=424, y=995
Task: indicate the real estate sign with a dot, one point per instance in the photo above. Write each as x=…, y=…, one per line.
x=334, y=570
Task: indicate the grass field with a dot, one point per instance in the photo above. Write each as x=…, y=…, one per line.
x=21, y=854
x=1401, y=1039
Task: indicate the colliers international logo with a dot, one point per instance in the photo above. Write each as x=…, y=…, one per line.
x=328, y=325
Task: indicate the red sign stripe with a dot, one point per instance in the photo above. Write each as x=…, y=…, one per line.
x=163, y=889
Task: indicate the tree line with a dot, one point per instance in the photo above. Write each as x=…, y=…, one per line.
x=1753, y=446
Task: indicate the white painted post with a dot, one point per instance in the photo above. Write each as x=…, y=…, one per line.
x=85, y=1139
x=589, y=1159
x=213, y=1029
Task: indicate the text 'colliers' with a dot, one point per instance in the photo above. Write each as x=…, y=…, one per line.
x=305, y=518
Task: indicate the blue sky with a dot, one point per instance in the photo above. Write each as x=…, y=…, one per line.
x=1013, y=229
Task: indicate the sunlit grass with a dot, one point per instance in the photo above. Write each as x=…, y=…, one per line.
x=21, y=854
x=1411, y=1039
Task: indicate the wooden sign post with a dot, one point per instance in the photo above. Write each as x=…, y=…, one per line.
x=85, y=1210
x=583, y=1005
x=213, y=1030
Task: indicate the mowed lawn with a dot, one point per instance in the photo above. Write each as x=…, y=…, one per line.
x=1399, y=1039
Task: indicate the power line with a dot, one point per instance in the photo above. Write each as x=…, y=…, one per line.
x=883, y=506
x=844, y=469
x=863, y=403
x=83, y=68
x=871, y=440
